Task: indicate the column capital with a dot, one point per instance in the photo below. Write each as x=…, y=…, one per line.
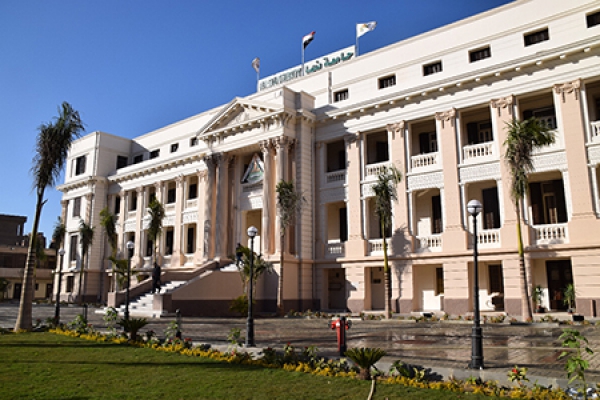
x=446, y=115
x=202, y=174
x=265, y=146
x=158, y=185
x=503, y=103
x=396, y=128
x=89, y=196
x=351, y=138
x=281, y=142
x=563, y=89
x=122, y=193
x=179, y=179
x=64, y=203
x=139, y=189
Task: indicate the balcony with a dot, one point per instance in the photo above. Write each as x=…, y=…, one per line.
x=191, y=203
x=334, y=249
x=595, y=131
x=550, y=234
x=424, y=162
x=252, y=187
x=429, y=243
x=375, y=246
x=557, y=145
x=478, y=152
x=335, y=177
x=488, y=238
x=373, y=170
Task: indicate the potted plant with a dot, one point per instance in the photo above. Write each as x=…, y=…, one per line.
x=537, y=294
x=569, y=297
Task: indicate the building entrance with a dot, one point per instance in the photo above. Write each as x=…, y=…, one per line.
x=559, y=276
x=336, y=286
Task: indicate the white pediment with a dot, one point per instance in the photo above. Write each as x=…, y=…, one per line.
x=236, y=113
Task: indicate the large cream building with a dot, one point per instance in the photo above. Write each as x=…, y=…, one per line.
x=435, y=105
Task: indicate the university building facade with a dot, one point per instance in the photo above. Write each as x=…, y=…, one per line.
x=436, y=106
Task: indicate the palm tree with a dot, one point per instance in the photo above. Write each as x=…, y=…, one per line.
x=288, y=205
x=522, y=139
x=58, y=236
x=52, y=146
x=243, y=265
x=86, y=232
x=385, y=192
x=157, y=214
x=108, y=222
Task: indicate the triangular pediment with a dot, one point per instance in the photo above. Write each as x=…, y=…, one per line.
x=236, y=113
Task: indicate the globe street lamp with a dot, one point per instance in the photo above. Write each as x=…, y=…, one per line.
x=252, y=231
x=474, y=207
x=61, y=253
x=130, y=246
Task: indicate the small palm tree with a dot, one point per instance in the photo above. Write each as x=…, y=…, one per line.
x=365, y=358
x=385, y=191
x=58, y=236
x=157, y=214
x=52, y=146
x=86, y=233
x=522, y=139
x=289, y=203
x=243, y=265
x=108, y=222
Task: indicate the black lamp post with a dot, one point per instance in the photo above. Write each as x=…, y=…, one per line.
x=474, y=207
x=61, y=253
x=130, y=245
x=252, y=231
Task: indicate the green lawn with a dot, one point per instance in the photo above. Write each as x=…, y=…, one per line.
x=49, y=366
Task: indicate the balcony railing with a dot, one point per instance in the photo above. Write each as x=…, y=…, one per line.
x=191, y=203
x=595, y=131
x=429, y=243
x=551, y=234
x=488, y=238
x=170, y=207
x=376, y=169
x=478, y=151
x=551, y=147
x=376, y=246
x=188, y=259
x=424, y=160
x=336, y=176
x=335, y=249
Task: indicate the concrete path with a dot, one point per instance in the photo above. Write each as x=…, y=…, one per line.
x=444, y=346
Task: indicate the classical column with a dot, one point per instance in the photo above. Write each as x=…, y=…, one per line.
x=320, y=209
x=177, y=258
x=122, y=218
x=138, y=252
x=281, y=143
x=88, y=207
x=454, y=237
x=209, y=220
x=202, y=177
x=268, y=210
x=355, y=247
x=222, y=205
x=401, y=238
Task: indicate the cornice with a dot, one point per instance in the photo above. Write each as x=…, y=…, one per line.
x=145, y=170
x=87, y=181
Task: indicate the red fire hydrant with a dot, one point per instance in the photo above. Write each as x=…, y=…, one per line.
x=341, y=325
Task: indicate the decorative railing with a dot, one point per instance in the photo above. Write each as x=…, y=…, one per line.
x=551, y=147
x=188, y=259
x=169, y=207
x=424, y=160
x=252, y=187
x=479, y=150
x=550, y=234
x=335, y=249
x=488, y=238
x=430, y=243
x=595, y=131
x=335, y=176
x=376, y=169
x=376, y=246
x=192, y=203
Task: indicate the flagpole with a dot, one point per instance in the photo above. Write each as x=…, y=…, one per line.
x=357, y=45
x=302, y=57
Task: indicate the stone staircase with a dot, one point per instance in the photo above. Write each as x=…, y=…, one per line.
x=142, y=305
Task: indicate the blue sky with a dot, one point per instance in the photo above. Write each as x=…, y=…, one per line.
x=133, y=66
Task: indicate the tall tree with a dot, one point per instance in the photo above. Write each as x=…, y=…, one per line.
x=157, y=214
x=289, y=202
x=108, y=222
x=523, y=137
x=58, y=236
x=86, y=233
x=52, y=146
x=385, y=191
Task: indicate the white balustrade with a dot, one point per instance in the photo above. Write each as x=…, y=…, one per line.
x=424, y=160
x=335, y=249
x=188, y=259
x=550, y=234
x=336, y=176
x=595, y=131
x=376, y=169
x=429, y=243
x=488, y=238
x=474, y=151
x=376, y=246
x=192, y=203
x=170, y=207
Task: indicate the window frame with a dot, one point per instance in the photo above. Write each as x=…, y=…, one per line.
x=474, y=55
x=386, y=81
x=531, y=38
x=431, y=68
x=341, y=95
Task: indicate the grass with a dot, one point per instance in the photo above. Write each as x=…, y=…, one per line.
x=49, y=366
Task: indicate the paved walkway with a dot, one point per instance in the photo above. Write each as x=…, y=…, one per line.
x=445, y=346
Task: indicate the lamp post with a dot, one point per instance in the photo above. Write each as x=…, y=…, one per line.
x=474, y=207
x=130, y=245
x=61, y=253
x=252, y=231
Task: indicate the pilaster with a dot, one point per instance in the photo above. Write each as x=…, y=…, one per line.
x=202, y=179
x=177, y=258
x=355, y=247
x=281, y=144
x=138, y=252
x=268, y=210
x=209, y=209
x=222, y=205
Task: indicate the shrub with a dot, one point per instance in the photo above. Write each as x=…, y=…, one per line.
x=365, y=358
x=133, y=326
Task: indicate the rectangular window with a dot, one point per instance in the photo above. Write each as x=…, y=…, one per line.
x=121, y=162
x=340, y=95
x=491, y=208
x=439, y=281
x=117, y=209
x=193, y=141
x=174, y=147
x=169, y=242
x=387, y=81
x=154, y=154
x=593, y=19
x=480, y=54
x=133, y=201
x=436, y=212
x=432, y=68
x=496, y=279
x=138, y=159
x=190, y=240
x=73, y=248
x=171, y=194
x=193, y=191
x=76, y=207
x=149, y=248
x=536, y=37
x=70, y=283
x=80, y=165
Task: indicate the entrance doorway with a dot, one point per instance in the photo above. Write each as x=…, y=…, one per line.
x=17, y=291
x=559, y=275
x=336, y=289
x=377, y=289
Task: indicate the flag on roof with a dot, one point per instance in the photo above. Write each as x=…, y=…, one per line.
x=308, y=38
x=361, y=29
x=256, y=64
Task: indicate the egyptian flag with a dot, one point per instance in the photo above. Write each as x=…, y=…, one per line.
x=256, y=64
x=361, y=29
x=308, y=38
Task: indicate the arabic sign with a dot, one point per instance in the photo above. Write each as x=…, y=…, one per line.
x=309, y=67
